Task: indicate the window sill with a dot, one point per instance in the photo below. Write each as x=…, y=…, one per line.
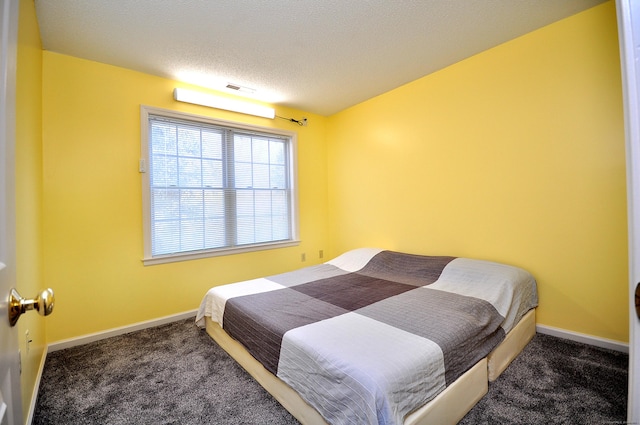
x=196, y=255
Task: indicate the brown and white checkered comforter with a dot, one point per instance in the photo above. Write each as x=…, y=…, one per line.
x=370, y=336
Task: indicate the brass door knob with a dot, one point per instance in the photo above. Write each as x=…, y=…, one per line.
x=43, y=303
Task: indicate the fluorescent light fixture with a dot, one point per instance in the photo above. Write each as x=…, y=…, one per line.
x=204, y=99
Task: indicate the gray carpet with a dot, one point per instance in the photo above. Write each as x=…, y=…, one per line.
x=555, y=381
x=175, y=374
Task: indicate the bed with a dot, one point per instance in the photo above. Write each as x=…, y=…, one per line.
x=376, y=336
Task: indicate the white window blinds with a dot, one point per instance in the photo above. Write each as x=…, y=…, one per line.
x=214, y=187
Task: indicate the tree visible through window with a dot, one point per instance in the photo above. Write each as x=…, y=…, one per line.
x=215, y=188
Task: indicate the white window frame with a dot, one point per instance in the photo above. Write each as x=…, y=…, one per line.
x=149, y=258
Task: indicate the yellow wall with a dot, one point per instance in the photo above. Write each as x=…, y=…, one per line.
x=29, y=192
x=93, y=202
x=515, y=155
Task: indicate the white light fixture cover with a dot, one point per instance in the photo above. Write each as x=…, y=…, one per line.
x=204, y=99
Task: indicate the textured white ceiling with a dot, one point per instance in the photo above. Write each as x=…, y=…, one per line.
x=320, y=56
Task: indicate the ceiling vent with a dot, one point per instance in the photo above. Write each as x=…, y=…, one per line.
x=238, y=87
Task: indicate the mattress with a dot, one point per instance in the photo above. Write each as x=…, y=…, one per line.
x=372, y=335
x=448, y=407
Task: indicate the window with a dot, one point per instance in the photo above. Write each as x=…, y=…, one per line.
x=213, y=187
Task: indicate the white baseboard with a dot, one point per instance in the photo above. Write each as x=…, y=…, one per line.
x=584, y=338
x=36, y=387
x=85, y=339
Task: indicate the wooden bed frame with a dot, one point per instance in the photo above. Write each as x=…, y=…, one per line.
x=448, y=407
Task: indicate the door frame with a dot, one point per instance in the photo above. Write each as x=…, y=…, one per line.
x=628, y=14
x=10, y=385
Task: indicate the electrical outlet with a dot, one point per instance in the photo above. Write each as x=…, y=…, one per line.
x=303, y=257
x=321, y=254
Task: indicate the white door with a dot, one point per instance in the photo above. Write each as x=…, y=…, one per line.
x=10, y=394
x=629, y=34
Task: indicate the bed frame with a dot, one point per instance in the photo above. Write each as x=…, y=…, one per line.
x=448, y=407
